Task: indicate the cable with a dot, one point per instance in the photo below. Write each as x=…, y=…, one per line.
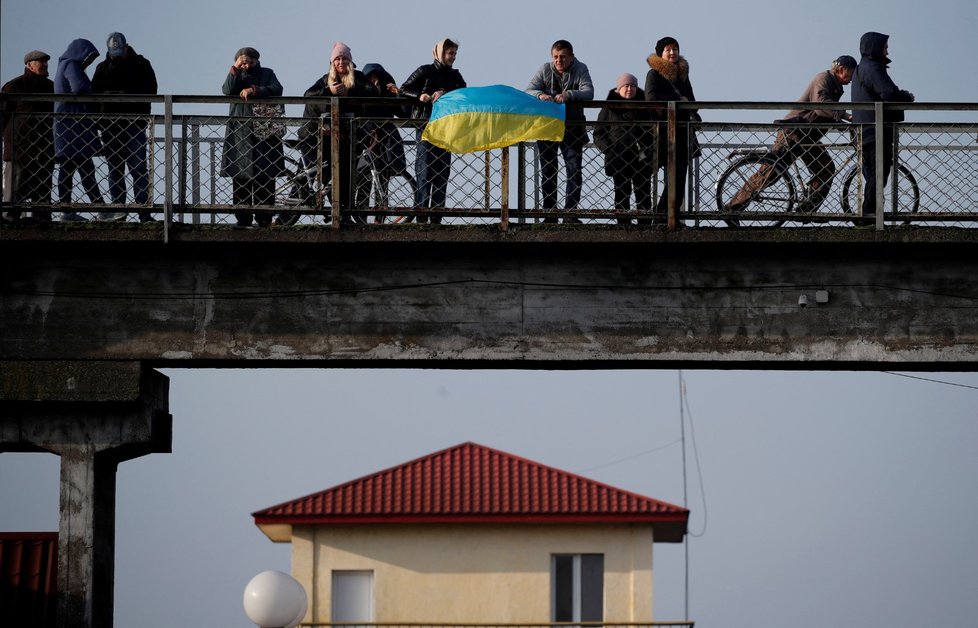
x=935, y=381
x=631, y=457
x=696, y=458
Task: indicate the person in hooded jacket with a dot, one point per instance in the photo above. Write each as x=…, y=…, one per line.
x=433, y=165
x=562, y=80
x=385, y=151
x=668, y=81
x=28, y=154
x=253, y=154
x=125, y=72
x=626, y=139
x=76, y=139
x=872, y=83
x=342, y=81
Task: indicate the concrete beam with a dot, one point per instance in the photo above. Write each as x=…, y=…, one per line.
x=470, y=298
x=94, y=416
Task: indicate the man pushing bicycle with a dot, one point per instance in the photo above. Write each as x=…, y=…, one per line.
x=804, y=141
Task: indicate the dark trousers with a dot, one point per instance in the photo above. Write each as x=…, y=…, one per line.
x=682, y=166
x=869, y=169
x=432, y=169
x=573, y=156
x=125, y=146
x=254, y=191
x=631, y=178
x=66, y=174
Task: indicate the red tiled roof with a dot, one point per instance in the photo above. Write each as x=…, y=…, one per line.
x=470, y=483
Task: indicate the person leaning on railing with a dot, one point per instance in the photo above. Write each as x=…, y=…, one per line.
x=28, y=156
x=804, y=142
x=433, y=165
x=253, y=154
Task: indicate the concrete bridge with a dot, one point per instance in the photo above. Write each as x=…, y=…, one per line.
x=90, y=310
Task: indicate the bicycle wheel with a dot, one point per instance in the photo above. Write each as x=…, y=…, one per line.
x=294, y=193
x=777, y=198
x=908, y=193
x=399, y=192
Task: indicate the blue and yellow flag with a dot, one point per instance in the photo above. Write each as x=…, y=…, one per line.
x=481, y=118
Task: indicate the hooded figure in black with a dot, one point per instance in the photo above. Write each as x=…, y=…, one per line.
x=872, y=83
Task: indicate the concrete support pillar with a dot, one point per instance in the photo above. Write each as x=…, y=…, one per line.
x=94, y=416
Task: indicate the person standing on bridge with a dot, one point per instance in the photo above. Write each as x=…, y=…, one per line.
x=562, y=80
x=76, y=138
x=872, y=83
x=794, y=142
x=668, y=81
x=123, y=134
x=433, y=165
x=253, y=154
x=28, y=155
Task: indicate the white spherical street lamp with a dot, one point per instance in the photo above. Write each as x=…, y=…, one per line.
x=274, y=599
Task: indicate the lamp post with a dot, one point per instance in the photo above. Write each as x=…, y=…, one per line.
x=274, y=599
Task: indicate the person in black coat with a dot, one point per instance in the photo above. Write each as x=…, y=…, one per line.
x=627, y=147
x=385, y=151
x=342, y=81
x=124, y=138
x=28, y=154
x=426, y=85
x=872, y=83
x=668, y=81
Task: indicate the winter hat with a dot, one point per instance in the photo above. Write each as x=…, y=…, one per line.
x=115, y=45
x=626, y=79
x=340, y=50
x=249, y=51
x=662, y=43
x=370, y=68
x=36, y=55
x=846, y=61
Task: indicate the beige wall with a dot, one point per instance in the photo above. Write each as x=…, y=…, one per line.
x=481, y=574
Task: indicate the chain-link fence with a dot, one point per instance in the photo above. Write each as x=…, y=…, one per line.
x=194, y=164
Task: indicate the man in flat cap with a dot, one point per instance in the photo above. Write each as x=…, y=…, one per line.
x=803, y=142
x=123, y=133
x=28, y=145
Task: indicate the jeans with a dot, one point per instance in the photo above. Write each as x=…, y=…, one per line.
x=432, y=169
x=66, y=174
x=573, y=157
x=125, y=145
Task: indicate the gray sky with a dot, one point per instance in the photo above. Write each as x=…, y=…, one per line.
x=832, y=498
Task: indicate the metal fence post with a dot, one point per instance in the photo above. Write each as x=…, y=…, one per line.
x=671, y=167
x=504, y=191
x=334, y=151
x=167, y=166
x=880, y=170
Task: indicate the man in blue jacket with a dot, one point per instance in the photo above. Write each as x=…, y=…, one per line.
x=872, y=83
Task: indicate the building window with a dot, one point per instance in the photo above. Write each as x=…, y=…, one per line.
x=578, y=587
x=353, y=596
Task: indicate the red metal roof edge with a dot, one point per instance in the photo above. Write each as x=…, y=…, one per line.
x=266, y=513
x=643, y=518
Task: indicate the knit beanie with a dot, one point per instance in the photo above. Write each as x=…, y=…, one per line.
x=662, y=43
x=626, y=79
x=340, y=50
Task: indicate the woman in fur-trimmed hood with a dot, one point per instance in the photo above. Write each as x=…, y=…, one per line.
x=668, y=81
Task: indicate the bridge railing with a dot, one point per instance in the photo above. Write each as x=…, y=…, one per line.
x=354, y=166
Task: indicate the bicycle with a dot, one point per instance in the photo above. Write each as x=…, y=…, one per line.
x=773, y=205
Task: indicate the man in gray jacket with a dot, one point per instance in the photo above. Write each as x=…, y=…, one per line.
x=563, y=80
x=803, y=142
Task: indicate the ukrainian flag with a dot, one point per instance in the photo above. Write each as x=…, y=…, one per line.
x=481, y=118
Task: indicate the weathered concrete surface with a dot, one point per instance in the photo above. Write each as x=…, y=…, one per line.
x=93, y=416
x=528, y=298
